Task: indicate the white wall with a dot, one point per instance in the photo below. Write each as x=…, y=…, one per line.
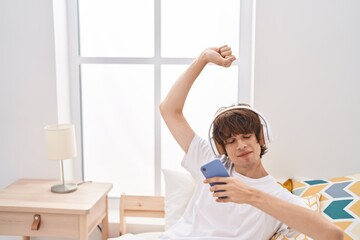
x=307, y=83
x=27, y=89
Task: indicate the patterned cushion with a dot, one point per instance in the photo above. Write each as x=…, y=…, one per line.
x=288, y=184
x=313, y=201
x=339, y=202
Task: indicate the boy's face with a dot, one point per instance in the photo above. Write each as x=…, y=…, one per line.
x=243, y=150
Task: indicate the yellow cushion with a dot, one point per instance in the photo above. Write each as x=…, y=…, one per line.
x=288, y=184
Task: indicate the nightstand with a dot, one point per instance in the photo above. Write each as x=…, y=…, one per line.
x=29, y=208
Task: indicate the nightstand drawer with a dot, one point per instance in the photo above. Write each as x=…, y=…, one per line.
x=61, y=225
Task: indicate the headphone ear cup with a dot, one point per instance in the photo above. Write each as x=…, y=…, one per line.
x=266, y=134
x=219, y=148
x=216, y=147
x=262, y=140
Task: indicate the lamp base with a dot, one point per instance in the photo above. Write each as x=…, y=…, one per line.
x=64, y=188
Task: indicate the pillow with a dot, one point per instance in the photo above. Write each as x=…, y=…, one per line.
x=339, y=202
x=313, y=201
x=179, y=187
x=287, y=184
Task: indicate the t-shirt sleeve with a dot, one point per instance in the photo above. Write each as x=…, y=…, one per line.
x=199, y=152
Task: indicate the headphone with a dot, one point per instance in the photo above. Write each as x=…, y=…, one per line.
x=265, y=131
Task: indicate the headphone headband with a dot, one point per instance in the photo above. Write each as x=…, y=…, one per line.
x=235, y=107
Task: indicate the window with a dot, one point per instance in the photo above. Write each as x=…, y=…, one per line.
x=125, y=55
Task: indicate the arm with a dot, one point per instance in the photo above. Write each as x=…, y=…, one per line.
x=171, y=108
x=302, y=219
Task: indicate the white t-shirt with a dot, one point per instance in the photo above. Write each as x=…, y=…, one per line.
x=204, y=218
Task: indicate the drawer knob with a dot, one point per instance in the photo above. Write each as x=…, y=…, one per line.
x=36, y=223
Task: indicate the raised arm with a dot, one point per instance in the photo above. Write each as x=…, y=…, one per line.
x=171, y=108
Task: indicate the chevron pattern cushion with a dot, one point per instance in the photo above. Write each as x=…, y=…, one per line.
x=339, y=202
x=313, y=201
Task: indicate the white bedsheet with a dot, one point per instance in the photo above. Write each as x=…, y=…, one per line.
x=139, y=236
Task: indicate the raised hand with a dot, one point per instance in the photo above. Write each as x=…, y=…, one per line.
x=221, y=56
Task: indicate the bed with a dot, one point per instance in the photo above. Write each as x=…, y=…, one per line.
x=321, y=195
x=179, y=187
x=140, y=206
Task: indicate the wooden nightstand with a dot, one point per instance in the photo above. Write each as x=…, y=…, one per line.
x=71, y=215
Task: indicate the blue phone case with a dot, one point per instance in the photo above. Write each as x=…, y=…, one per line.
x=214, y=168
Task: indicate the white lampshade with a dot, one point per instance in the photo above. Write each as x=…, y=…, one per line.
x=60, y=141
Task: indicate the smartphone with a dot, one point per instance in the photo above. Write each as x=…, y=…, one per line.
x=214, y=168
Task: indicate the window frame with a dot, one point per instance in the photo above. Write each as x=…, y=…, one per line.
x=244, y=62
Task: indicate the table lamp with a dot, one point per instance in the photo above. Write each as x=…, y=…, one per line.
x=61, y=145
